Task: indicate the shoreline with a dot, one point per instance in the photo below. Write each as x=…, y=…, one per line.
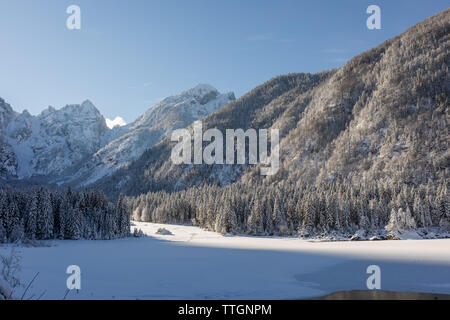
x=382, y=295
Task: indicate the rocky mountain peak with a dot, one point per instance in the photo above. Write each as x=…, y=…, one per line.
x=57, y=142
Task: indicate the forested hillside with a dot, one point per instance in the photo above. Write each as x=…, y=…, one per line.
x=364, y=147
x=336, y=209
x=260, y=108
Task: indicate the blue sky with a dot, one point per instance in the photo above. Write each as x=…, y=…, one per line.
x=130, y=54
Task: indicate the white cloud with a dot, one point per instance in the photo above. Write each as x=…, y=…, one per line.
x=118, y=121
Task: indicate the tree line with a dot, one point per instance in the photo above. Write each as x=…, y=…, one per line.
x=41, y=214
x=295, y=208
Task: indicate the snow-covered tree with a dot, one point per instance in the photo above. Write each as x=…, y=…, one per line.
x=31, y=217
x=45, y=218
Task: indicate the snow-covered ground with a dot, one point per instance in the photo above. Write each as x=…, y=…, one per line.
x=196, y=264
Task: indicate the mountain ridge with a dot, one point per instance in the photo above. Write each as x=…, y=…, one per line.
x=364, y=153
x=61, y=145
x=324, y=119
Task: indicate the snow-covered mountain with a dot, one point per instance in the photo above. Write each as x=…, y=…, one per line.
x=74, y=144
x=381, y=117
x=48, y=144
x=8, y=160
x=132, y=140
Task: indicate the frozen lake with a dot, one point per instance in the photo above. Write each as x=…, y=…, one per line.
x=195, y=264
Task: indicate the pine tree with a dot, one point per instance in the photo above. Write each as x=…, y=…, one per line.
x=393, y=225
x=299, y=213
x=44, y=228
x=31, y=218
x=337, y=219
x=255, y=226
x=73, y=230
x=123, y=217
x=443, y=208
x=221, y=222
x=14, y=227
x=279, y=218
x=268, y=217
x=3, y=237
x=232, y=221
x=309, y=212
x=364, y=223
x=65, y=212
x=410, y=223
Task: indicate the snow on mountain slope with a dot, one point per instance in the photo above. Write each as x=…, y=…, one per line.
x=8, y=160
x=51, y=142
x=172, y=113
x=75, y=144
x=185, y=107
x=6, y=114
x=381, y=116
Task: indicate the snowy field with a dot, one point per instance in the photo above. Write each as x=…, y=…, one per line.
x=195, y=264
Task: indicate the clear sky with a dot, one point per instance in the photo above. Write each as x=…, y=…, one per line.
x=129, y=54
